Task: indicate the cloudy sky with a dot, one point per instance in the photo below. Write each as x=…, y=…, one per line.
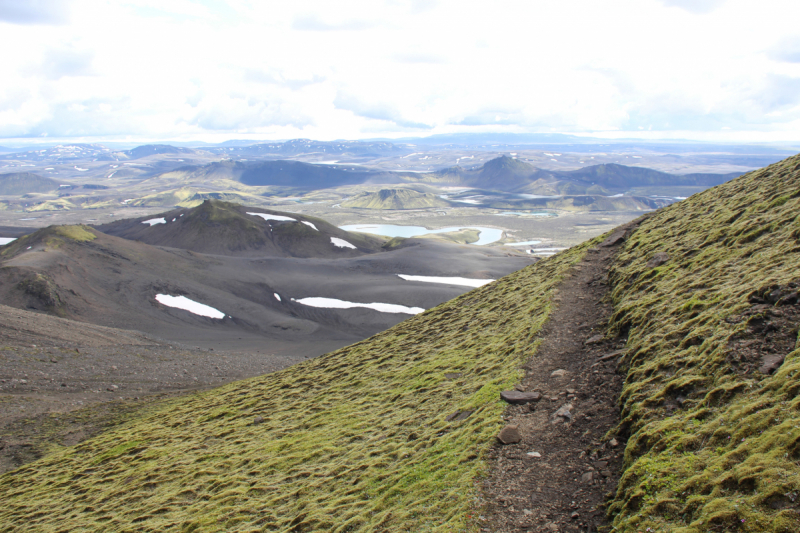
x=215, y=70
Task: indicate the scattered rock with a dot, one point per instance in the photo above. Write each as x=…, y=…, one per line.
x=458, y=416
x=657, y=260
x=587, y=477
x=516, y=397
x=452, y=375
x=509, y=435
x=551, y=526
x=611, y=355
x=558, y=373
x=112, y=388
x=533, y=454
x=258, y=420
x=570, y=391
x=605, y=473
x=600, y=465
x=564, y=412
x=575, y=515
x=615, y=238
x=613, y=443
x=595, y=339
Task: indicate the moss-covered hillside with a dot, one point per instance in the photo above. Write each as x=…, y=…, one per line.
x=715, y=442
x=396, y=199
x=386, y=435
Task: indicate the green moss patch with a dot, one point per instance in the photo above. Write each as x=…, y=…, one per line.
x=714, y=443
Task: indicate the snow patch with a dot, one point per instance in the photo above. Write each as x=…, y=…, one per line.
x=466, y=282
x=309, y=224
x=6, y=240
x=277, y=296
x=341, y=243
x=154, y=221
x=333, y=303
x=182, y=302
x=266, y=216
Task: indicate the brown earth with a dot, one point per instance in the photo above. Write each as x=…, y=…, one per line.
x=556, y=478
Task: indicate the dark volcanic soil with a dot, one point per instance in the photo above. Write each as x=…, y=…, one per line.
x=63, y=381
x=557, y=477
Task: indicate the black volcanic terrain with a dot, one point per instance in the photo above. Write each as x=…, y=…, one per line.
x=225, y=228
x=248, y=268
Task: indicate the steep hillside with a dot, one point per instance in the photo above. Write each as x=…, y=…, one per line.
x=16, y=183
x=396, y=199
x=706, y=292
x=156, y=149
x=218, y=227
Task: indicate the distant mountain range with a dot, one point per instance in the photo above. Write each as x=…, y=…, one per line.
x=500, y=174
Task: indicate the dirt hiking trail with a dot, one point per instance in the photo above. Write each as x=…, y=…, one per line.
x=557, y=477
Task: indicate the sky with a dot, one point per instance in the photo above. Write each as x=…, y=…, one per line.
x=189, y=70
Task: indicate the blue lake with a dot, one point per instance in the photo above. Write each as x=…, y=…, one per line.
x=486, y=236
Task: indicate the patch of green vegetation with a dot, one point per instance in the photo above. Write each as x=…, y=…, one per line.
x=710, y=448
x=76, y=233
x=355, y=440
x=464, y=236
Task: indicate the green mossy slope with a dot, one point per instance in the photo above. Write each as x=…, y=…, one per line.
x=715, y=444
x=355, y=440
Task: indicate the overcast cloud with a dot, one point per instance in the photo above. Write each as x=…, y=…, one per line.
x=213, y=70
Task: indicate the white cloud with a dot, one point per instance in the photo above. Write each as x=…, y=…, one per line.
x=196, y=69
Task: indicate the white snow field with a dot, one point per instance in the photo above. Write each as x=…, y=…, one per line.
x=466, y=282
x=182, y=302
x=266, y=216
x=341, y=243
x=309, y=224
x=154, y=221
x=6, y=240
x=333, y=303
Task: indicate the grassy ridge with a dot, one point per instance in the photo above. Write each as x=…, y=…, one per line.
x=356, y=440
x=714, y=447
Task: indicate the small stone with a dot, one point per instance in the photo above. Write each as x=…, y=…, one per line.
x=614, y=239
x=600, y=465
x=533, y=454
x=54, y=360
x=509, y=435
x=558, y=373
x=570, y=391
x=258, y=420
x=112, y=388
x=23, y=381
x=452, y=375
x=517, y=397
x=587, y=477
x=574, y=515
x=595, y=339
x=657, y=260
x=551, y=526
x=527, y=512
x=613, y=443
x=605, y=473
x=564, y=412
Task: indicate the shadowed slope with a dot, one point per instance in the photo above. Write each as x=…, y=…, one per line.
x=16, y=183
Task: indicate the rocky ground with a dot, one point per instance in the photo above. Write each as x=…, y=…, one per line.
x=62, y=381
x=557, y=459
